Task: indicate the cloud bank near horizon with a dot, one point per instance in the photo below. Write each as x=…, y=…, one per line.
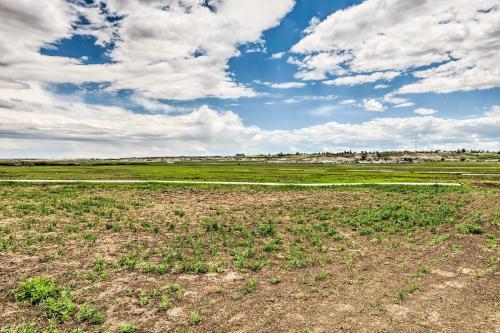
x=63, y=129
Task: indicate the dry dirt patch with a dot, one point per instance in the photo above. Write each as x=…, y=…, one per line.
x=427, y=279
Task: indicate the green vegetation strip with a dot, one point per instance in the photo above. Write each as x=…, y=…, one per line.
x=218, y=182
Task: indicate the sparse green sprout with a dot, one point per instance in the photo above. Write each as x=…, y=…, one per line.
x=173, y=287
x=176, y=290
x=195, y=317
x=91, y=314
x=147, y=267
x=161, y=268
x=165, y=302
x=155, y=293
x=435, y=240
x=272, y=246
x=90, y=236
x=275, y=279
x=211, y=225
x=267, y=229
x=200, y=267
x=250, y=286
x=179, y=212
x=99, y=271
x=143, y=298
x=491, y=241
x=297, y=258
x=322, y=276
x=128, y=328
x=477, y=218
x=469, y=229
x=410, y=289
x=423, y=270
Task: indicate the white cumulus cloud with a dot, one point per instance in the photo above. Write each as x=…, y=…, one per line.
x=360, y=79
x=424, y=111
x=59, y=128
x=373, y=105
x=283, y=85
x=278, y=55
x=172, y=50
x=459, y=38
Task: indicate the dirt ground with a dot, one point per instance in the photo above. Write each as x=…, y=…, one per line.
x=423, y=279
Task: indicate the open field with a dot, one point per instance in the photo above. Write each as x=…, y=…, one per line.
x=461, y=172
x=209, y=258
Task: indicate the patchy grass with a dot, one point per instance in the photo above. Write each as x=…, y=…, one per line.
x=151, y=258
x=407, y=291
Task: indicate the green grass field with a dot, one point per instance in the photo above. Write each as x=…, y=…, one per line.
x=262, y=172
x=156, y=257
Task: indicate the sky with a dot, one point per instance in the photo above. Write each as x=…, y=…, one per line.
x=134, y=78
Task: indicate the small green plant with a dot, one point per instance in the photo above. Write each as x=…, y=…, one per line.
x=322, y=276
x=155, y=293
x=267, y=229
x=272, y=246
x=55, y=303
x=250, y=286
x=161, y=268
x=275, y=280
x=36, y=290
x=147, y=267
x=410, y=289
x=143, y=298
x=173, y=287
x=59, y=308
x=165, y=302
x=423, y=270
x=195, y=317
x=128, y=328
x=297, y=258
x=90, y=236
x=91, y=314
x=179, y=212
x=211, y=225
x=99, y=271
x=491, y=241
x=469, y=229
x=435, y=240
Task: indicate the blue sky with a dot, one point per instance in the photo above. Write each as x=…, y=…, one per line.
x=139, y=78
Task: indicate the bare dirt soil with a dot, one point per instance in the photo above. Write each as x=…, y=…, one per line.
x=253, y=259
